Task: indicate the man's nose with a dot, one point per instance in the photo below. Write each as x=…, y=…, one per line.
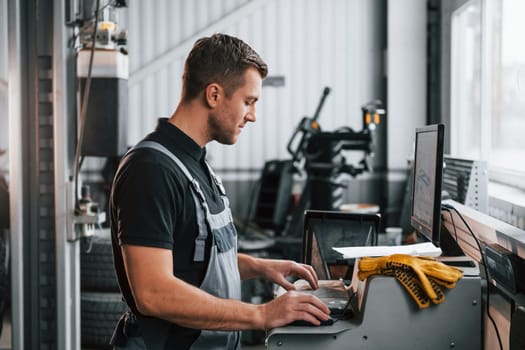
x=250, y=116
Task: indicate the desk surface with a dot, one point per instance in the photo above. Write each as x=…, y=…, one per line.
x=486, y=228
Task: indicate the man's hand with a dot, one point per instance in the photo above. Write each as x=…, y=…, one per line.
x=293, y=306
x=276, y=271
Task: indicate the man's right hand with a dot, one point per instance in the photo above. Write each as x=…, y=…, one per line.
x=293, y=306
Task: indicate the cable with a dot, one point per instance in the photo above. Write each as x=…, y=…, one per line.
x=83, y=109
x=453, y=224
x=89, y=241
x=448, y=208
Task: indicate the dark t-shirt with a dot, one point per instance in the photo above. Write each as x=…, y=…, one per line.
x=152, y=205
x=4, y=205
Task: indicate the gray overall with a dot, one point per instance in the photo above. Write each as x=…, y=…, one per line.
x=222, y=276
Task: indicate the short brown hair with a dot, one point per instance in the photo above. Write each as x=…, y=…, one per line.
x=222, y=59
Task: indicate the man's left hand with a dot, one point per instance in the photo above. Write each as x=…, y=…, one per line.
x=276, y=271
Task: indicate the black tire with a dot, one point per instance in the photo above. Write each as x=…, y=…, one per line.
x=4, y=276
x=97, y=273
x=100, y=313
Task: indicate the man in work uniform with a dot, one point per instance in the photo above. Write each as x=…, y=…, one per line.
x=174, y=243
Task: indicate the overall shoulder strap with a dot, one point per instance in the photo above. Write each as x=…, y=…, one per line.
x=201, y=207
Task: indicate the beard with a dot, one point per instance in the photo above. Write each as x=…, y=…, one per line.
x=219, y=132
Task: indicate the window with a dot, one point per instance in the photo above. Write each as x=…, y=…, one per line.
x=507, y=149
x=465, y=99
x=488, y=87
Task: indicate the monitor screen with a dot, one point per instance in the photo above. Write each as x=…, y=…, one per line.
x=426, y=186
x=324, y=230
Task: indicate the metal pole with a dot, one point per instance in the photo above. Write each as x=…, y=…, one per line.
x=67, y=253
x=16, y=173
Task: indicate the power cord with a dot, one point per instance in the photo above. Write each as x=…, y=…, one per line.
x=448, y=208
x=83, y=109
x=453, y=223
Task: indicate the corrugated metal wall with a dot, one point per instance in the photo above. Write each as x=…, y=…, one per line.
x=4, y=116
x=311, y=43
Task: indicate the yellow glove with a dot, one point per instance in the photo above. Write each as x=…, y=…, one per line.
x=427, y=267
x=373, y=266
x=409, y=280
x=419, y=275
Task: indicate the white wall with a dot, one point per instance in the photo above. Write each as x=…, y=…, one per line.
x=4, y=115
x=311, y=43
x=3, y=40
x=406, y=71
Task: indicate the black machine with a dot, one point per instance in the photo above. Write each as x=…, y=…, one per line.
x=318, y=154
x=321, y=150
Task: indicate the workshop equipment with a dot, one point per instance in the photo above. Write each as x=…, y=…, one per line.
x=384, y=316
x=319, y=154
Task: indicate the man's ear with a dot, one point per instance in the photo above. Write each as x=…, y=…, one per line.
x=213, y=94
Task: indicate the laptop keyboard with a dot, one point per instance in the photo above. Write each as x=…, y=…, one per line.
x=332, y=293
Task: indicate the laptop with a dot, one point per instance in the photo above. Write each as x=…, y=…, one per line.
x=324, y=230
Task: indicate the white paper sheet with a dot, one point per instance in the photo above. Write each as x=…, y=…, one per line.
x=418, y=249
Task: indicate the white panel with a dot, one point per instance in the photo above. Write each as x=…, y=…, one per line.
x=358, y=63
x=4, y=128
x=3, y=41
x=176, y=71
x=268, y=113
x=174, y=21
x=149, y=102
x=340, y=87
x=214, y=10
x=135, y=112
x=283, y=64
x=134, y=37
x=228, y=5
x=4, y=116
x=163, y=98
x=248, y=139
x=162, y=26
x=201, y=13
x=187, y=18
x=260, y=146
x=327, y=47
x=406, y=77
x=148, y=31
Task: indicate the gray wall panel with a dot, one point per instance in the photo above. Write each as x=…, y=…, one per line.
x=4, y=120
x=406, y=77
x=134, y=105
x=3, y=40
x=311, y=43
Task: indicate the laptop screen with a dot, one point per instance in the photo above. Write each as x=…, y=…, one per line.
x=324, y=230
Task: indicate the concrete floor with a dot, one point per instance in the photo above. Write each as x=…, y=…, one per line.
x=5, y=338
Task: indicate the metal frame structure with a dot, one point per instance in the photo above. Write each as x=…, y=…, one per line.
x=45, y=275
x=67, y=252
x=16, y=172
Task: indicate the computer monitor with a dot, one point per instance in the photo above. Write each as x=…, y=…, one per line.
x=426, y=186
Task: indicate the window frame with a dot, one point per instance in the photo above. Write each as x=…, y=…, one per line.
x=509, y=177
